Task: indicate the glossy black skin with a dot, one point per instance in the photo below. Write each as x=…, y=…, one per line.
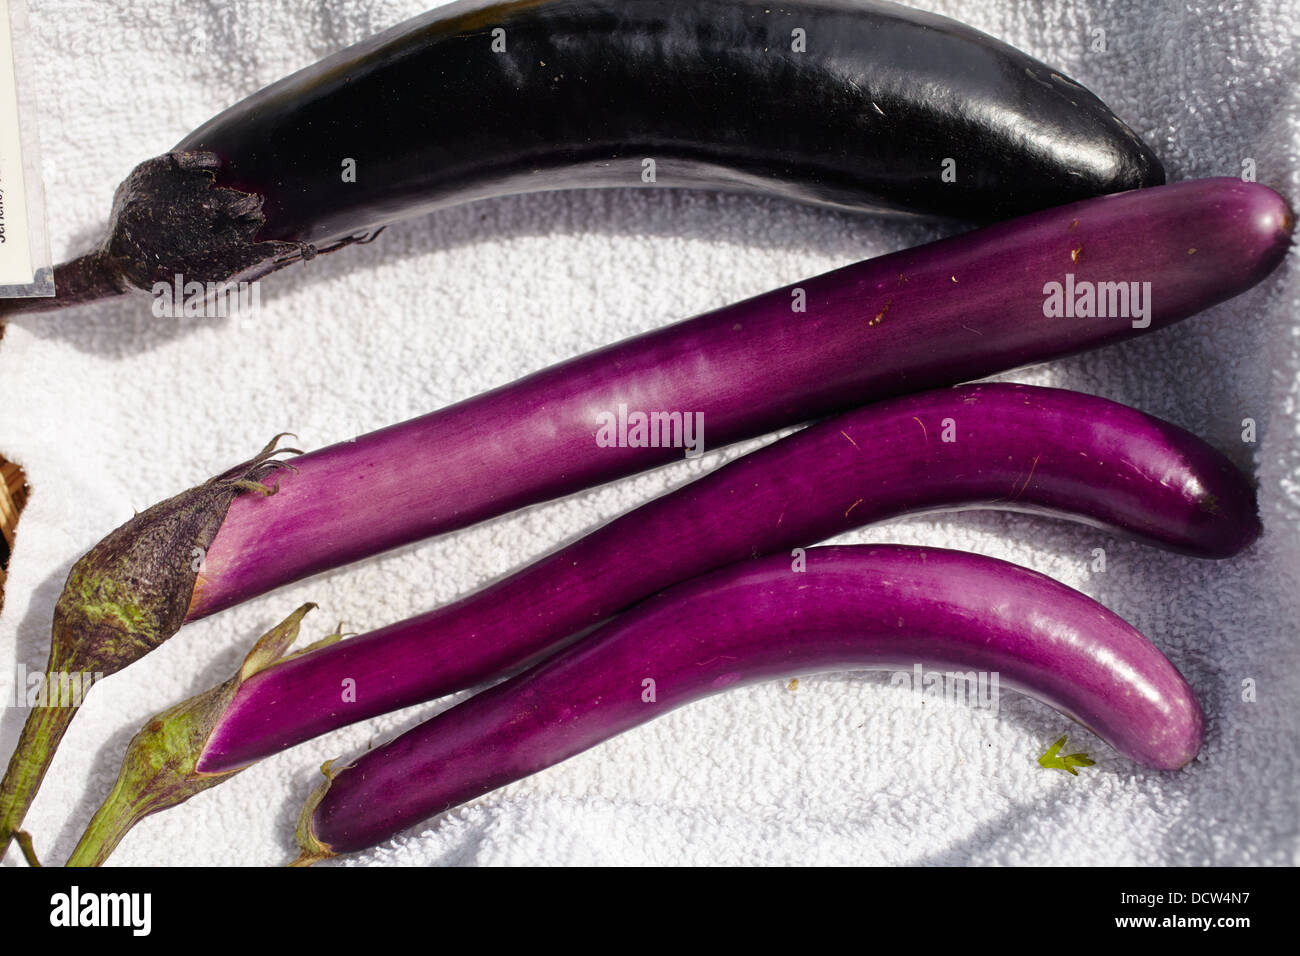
x=710, y=89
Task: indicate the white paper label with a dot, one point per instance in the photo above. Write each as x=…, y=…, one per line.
x=15, y=244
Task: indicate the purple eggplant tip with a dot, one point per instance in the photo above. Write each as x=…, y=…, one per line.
x=1269, y=220
x=1179, y=739
x=1225, y=520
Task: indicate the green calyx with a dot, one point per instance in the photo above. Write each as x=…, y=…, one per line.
x=157, y=772
x=312, y=850
x=159, y=768
x=131, y=592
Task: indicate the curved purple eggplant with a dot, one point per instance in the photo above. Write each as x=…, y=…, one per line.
x=864, y=607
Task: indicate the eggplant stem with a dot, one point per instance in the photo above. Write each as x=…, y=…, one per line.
x=29, y=851
x=40, y=738
x=89, y=278
x=106, y=828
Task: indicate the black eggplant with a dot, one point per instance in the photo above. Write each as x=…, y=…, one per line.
x=843, y=103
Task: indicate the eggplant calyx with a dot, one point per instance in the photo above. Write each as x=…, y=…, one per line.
x=170, y=218
x=159, y=769
x=311, y=848
x=131, y=592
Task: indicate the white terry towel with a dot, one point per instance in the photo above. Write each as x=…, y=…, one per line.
x=110, y=409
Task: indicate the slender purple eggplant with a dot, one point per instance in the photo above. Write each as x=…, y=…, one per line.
x=1009, y=447
x=853, y=104
x=863, y=607
x=939, y=314
x=950, y=311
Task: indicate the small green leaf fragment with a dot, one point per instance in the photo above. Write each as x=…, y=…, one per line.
x=1052, y=761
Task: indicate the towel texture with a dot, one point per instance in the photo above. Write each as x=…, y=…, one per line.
x=110, y=409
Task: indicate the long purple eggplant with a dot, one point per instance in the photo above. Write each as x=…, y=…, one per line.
x=864, y=607
x=857, y=105
x=946, y=312
x=939, y=314
x=1008, y=447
